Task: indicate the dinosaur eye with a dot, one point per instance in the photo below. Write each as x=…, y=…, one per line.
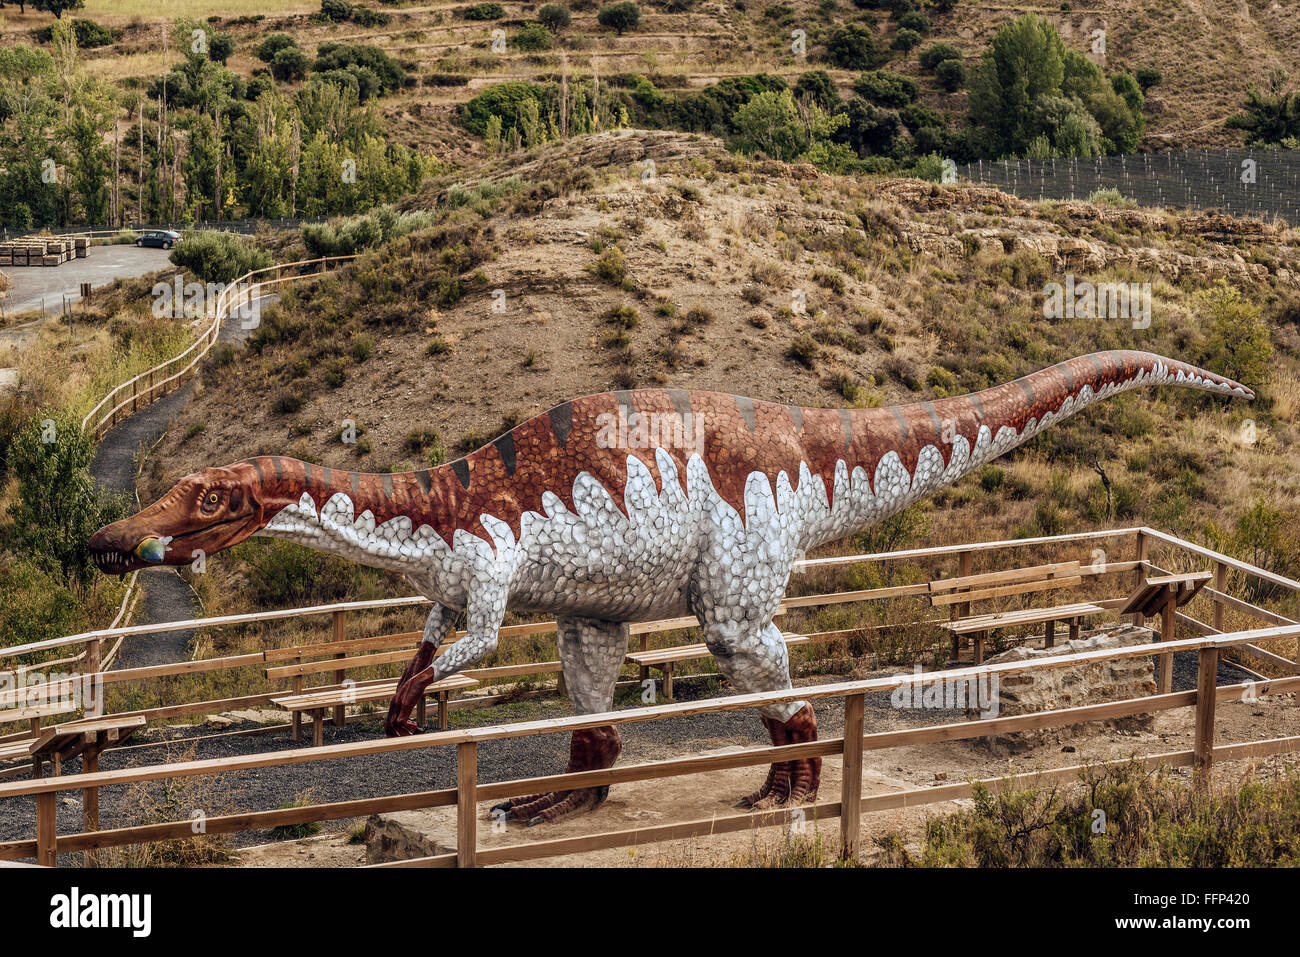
x=212, y=499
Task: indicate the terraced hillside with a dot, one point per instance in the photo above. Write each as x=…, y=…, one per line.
x=1209, y=51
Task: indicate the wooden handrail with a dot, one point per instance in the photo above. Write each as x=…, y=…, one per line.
x=630, y=716
x=205, y=339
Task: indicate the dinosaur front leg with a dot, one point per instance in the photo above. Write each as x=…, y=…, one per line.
x=755, y=662
x=591, y=653
x=480, y=641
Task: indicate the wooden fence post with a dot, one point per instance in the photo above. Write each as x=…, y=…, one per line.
x=1220, y=585
x=466, y=805
x=47, y=829
x=1139, y=573
x=1206, y=685
x=851, y=785
x=961, y=609
x=90, y=803
x=340, y=634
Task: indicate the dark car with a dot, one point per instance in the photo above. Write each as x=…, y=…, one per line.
x=160, y=238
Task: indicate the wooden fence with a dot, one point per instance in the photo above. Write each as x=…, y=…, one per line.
x=139, y=391
x=47, y=843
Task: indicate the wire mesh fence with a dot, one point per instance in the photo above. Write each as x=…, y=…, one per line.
x=1260, y=184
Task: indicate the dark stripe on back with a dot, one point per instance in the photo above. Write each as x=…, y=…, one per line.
x=746, y=408
x=902, y=423
x=625, y=403
x=258, y=469
x=1032, y=396
x=306, y=475
x=425, y=481
x=506, y=446
x=796, y=416
x=354, y=479
x=979, y=406
x=561, y=422
x=681, y=400
x=279, y=468
x=461, y=469
x=846, y=423
x=1069, y=377
x=326, y=476
x=934, y=416
x=386, y=479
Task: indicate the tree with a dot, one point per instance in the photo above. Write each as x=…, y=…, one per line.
x=1026, y=60
x=951, y=75
x=58, y=7
x=58, y=507
x=769, y=123
x=936, y=53
x=336, y=10
x=289, y=64
x=620, y=17
x=1271, y=117
x=871, y=130
x=220, y=46
x=854, y=47
x=818, y=86
x=273, y=44
x=554, y=16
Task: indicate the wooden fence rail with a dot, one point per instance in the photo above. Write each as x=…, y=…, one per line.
x=852, y=746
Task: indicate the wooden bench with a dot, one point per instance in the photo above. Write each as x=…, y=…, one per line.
x=665, y=658
x=957, y=594
x=318, y=700
x=1161, y=597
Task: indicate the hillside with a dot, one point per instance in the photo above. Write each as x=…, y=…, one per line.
x=1210, y=51
x=913, y=291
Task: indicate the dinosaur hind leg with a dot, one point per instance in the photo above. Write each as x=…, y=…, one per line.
x=591, y=653
x=756, y=662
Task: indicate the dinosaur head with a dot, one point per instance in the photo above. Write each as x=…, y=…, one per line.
x=203, y=513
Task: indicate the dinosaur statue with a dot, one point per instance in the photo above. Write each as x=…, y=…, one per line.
x=624, y=507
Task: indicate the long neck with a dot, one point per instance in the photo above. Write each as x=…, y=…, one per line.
x=369, y=517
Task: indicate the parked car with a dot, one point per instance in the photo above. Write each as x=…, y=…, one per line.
x=159, y=238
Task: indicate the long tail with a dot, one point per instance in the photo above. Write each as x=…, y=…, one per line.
x=910, y=451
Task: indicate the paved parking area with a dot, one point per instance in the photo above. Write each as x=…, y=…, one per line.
x=34, y=285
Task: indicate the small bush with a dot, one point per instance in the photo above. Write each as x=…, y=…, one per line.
x=215, y=256
x=339, y=11
x=534, y=36
x=906, y=40
x=951, y=75
x=485, y=11
x=273, y=44
x=936, y=53
x=289, y=64
x=804, y=350
x=886, y=89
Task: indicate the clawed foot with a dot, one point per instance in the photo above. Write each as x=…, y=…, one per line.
x=402, y=729
x=788, y=784
x=544, y=808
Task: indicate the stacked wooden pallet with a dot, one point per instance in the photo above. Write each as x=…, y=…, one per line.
x=41, y=251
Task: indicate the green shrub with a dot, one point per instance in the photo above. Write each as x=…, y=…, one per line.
x=358, y=59
x=337, y=10
x=915, y=21
x=936, y=53
x=507, y=101
x=289, y=64
x=88, y=34
x=1149, y=76
x=215, y=256
x=485, y=11
x=534, y=36
x=886, y=89
x=346, y=236
x=906, y=40
x=951, y=75
x=273, y=44
x=854, y=47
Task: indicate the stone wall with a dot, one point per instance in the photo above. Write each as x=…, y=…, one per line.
x=1073, y=687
